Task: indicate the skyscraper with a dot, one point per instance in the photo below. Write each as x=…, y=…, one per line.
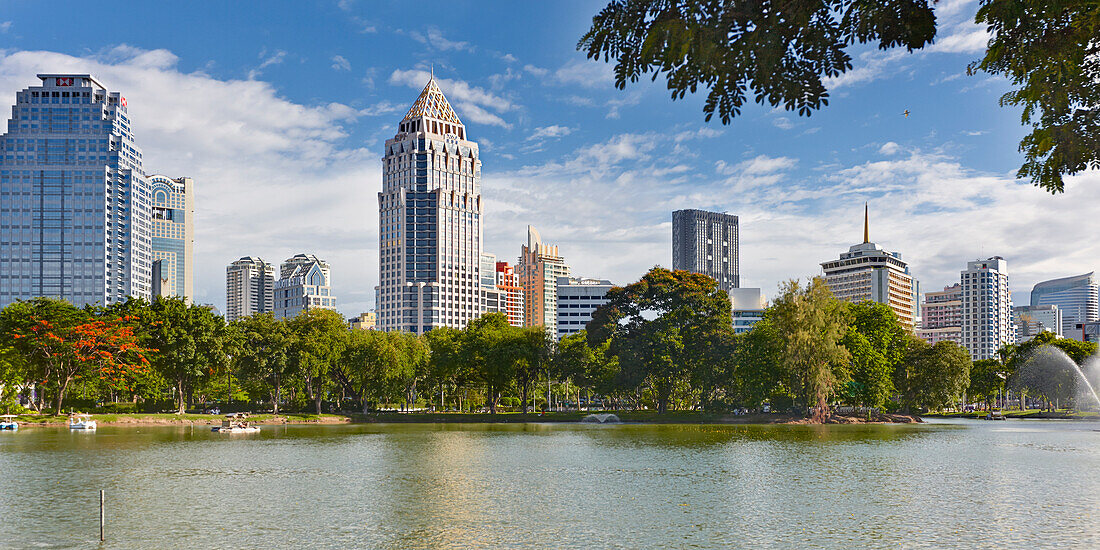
x=249, y=288
x=173, y=240
x=74, y=201
x=706, y=242
x=539, y=267
x=986, y=308
x=867, y=272
x=1076, y=297
x=304, y=283
x=1032, y=320
x=429, y=221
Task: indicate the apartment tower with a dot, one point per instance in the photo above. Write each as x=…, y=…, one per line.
x=249, y=288
x=986, y=308
x=173, y=240
x=539, y=267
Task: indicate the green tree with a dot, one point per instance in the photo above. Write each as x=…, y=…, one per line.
x=660, y=327
x=189, y=343
x=531, y=349
x=262, y=353
x=781, y=51
x=932, y=376
x=485, y=348
x=876, y=342
x=316, y=348
x=376, y=365
x=446, y=368
x=811, y=322
x=987, y=379
x=761, y=375
x=37, y=330
x=1034, y=369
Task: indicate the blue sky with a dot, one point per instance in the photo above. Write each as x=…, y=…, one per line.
x=279, y=111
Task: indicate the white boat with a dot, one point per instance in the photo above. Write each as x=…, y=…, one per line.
x=7, y=422
x=236, y=423
x=81, y=422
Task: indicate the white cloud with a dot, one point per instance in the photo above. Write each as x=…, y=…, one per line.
x=340, y=63
x=382, y=108
x=537, y=71
x=266, y=61
x=470, y=102
x=434, y=38
x=271, y=176
x=783, y=123
x=5, y=26
x=585, y=73
x=889, y=148
x=967, y=37
x=549, y=132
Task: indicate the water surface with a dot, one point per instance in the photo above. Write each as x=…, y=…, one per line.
x=938, y=485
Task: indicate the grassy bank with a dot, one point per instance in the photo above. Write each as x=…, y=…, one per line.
x=184, y=419
x=1025, y=414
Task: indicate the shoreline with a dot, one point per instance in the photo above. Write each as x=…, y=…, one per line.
x=627, y=417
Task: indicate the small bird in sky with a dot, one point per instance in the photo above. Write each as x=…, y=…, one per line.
x=906, y=113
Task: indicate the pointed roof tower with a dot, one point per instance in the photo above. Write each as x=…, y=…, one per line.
x=866, y=224
x=432, y=104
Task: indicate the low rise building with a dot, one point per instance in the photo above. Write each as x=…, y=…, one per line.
x=1032, y=320
x=364, y=321
x=578, y=298
x=942, y=316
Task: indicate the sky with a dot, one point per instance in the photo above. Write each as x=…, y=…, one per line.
x=280, y=110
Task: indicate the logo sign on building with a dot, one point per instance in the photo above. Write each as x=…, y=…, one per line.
x=123, y=101
x=68, y=81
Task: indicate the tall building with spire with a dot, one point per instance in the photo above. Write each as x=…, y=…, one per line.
x=75, y=213
x=867, y=272
x=429, y=223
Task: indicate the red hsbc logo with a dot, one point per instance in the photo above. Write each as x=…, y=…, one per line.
x=123, y=101
x=63, y=81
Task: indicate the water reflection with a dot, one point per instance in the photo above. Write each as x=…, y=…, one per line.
x=544, y=485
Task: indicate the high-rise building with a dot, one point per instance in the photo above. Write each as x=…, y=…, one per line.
x=249, y=288
x=511, y=293
x=867, y=272
x=173, y=240
x=304, y=283
x=707, y=242
x=578, y=298
x=74, y=201
x=539, y=267
x=1078, y=298
x=941, y=316
x=429, y=221
x=986, y=308
x=1032, y=320
x=747, y=308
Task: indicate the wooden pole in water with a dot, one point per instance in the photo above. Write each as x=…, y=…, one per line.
x=101, y=537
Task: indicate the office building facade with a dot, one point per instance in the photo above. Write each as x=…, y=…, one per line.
x=1078, y=298
x=1030, y=321
x=539, y=267
x=941, y=316
x=364, y=321
x=75, y=216
x=173, y=235
x=304, y=283
x=578, y=298
x=868, y=272
x=707, y=242
x=429, y=221
x=986, y=308
x=249, y=288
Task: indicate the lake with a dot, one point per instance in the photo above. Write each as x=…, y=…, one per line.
x=937, y=485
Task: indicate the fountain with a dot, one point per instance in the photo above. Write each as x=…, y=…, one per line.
x=1045, y=370
x=603, y=418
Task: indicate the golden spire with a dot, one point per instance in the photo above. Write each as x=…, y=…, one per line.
x=866, y=224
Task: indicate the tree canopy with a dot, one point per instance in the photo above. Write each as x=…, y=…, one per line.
x=781, y=52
